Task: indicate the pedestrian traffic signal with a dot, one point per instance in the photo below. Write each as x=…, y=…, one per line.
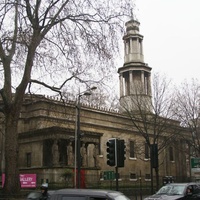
x=121, y=153
x=111, y=152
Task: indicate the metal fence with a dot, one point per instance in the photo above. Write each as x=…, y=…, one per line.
x=136, y=189
x=126, y=185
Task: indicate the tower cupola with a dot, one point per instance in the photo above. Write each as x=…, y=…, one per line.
x=133, y=43
x=134, y=75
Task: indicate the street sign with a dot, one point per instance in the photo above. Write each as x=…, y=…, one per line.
x=195, y=163
x=109, y=175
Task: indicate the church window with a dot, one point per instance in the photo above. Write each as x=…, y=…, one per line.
x=132, y=149
x=133, y=176
x=147, y=177
x=28, y=159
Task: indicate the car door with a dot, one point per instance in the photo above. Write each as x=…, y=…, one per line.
x=195, y=192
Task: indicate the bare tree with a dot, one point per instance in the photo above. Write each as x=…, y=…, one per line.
x=152, y=116
x=187, y=111
x=50, y=43
x=99, y=99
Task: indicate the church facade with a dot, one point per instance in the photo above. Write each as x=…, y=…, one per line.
x=47, y=130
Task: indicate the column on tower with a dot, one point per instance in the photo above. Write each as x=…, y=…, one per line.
x=121, y=81
x=149, y=84
x=141, y=49
x=143, y=81
x=126, y=49
x=131, y=45
x=137, y=46
x=135, y=55
x=131, y=82
x=127, y=83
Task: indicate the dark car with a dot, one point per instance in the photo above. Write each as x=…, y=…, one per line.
x=37, y=195
x=89, y=194
x=174, y=191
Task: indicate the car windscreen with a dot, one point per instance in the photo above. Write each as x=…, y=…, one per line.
x=172, y=190
x=73, y=197
x=34, y=195
x=121, y=197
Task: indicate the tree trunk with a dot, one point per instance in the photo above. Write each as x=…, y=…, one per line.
x=12, y=182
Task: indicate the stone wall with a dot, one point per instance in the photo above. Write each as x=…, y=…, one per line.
x=45, y=120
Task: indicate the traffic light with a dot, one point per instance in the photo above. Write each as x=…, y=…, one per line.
x=111, y=152
x=121, y=153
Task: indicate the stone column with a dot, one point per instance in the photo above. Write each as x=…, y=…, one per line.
x=70, y=156
x=130, y=82
x=84, y=155
x=96, y=155
x=142, y=81
x=121, y=85
x=149, y=84
x=55, y=153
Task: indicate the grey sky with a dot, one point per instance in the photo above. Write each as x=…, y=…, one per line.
x=171, y=30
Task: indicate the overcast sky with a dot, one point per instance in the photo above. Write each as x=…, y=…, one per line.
x=171, y=30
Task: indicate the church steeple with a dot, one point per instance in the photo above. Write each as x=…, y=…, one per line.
x=133, y=43
x=135, y=75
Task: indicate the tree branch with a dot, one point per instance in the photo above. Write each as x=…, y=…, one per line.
x=56, y=89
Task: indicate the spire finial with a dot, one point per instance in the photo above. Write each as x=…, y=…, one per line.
x=132, y=15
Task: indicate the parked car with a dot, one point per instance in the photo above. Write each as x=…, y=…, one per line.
x=89, y=194
x=175, y=191
x=36, y=195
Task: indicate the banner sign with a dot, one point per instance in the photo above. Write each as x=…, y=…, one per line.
x=26, y=180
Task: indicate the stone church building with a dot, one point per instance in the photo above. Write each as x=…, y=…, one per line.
x=47, y=130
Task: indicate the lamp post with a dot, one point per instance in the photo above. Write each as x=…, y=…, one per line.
x=77, y=163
